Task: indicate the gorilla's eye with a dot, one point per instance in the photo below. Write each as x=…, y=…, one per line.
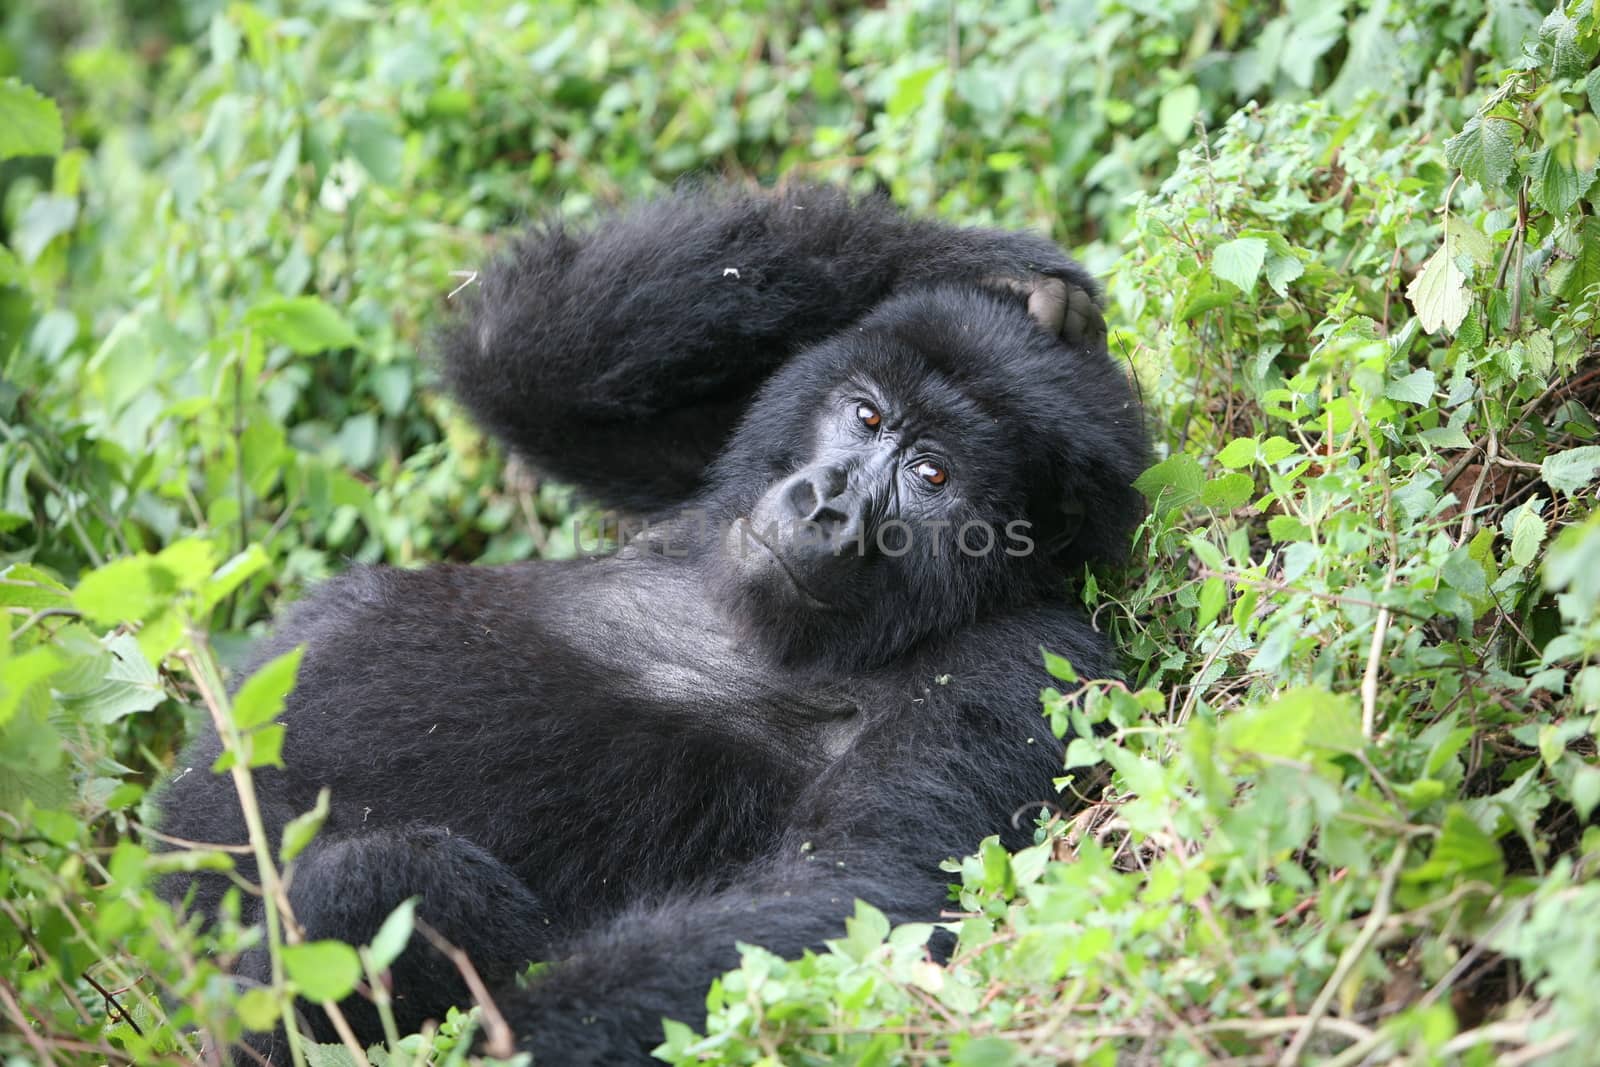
x=930, y=473
x=869, y=416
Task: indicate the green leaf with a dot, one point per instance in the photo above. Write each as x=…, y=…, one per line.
x=261, y=697
x=393, y=935
x=1582, y=272
x=910, y=92
x=1058, y=666
x=1570, y=471
x=1239, y=261
x=130, y=589
x=322, y=970
x=1298, y=721
x=1463, y=851
x=1175, y=114
x=1570, y=49
x=376, y=146
x=26, y=586
x=1439, y=293
x=1527, y=534
x=30, y=125
x=1240, y=452
x=304, y=323
x=1213, y=598
x=1281, y=270
x=1227, y=492
x=1554, y=181
x=863, y=932
x=43, y=220
x=1585, y=789
x=1172, y=483
x=302, y=829
x=1483, y=151
x=1592, y=86
x=257, y=1009
x=1414, y=388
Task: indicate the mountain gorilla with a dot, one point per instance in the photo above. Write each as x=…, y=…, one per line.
x=875, y=449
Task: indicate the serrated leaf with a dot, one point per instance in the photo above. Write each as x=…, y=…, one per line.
x=1554, y=181
x=1240, y=452
x=1414, y=388
x=1462, y=851
x=260, y=699
x=1592, y=85
x=124, y=590
x=1466, y=239
x=392, y=936
x=1301, y=719
x=322, y=970
x=1570, y=50
x=1172, y=483
x=1570, y=471
x=1483, y=151
x=1527, y=534
x=1281, y=270
x=30, y=124
x=25, y=586
x=302, y=829
x=304, y=323
x=1239, y=261
x=1227, y=492
x=1439, y=293
x=1582, y=273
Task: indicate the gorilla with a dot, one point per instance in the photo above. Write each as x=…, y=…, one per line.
x=873, y=451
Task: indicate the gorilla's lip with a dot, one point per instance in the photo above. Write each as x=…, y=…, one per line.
x=811, y=598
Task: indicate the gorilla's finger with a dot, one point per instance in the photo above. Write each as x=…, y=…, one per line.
x=1079, y=321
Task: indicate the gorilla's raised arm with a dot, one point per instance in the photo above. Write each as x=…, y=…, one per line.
x=620, y=358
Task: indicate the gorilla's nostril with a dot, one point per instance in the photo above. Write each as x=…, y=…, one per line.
x=830, y=519
x=801, y=498
x=834, y=482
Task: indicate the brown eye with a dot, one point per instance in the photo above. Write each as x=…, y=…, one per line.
x=869, y=416
x=929, y=473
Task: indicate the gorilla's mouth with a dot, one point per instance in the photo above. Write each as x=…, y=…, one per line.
x=811, y=599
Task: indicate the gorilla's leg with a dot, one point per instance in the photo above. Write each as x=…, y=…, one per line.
x=345, y=887
x=602, y=1005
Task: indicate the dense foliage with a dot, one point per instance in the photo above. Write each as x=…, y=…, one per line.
x=1345, y=808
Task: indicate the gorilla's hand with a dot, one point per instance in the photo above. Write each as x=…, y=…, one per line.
x=1062, y=306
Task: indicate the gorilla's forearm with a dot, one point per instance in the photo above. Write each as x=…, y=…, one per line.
x=620, y=358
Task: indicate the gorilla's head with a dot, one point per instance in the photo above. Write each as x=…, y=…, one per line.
x=945, y=456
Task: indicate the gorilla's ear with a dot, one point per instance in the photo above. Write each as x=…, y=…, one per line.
x=1059, y=305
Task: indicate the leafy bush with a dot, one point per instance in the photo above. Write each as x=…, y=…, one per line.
x=1344, y=808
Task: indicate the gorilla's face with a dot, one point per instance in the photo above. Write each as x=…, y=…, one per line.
x=881, y=504
x=943, y=458
x=884, y=497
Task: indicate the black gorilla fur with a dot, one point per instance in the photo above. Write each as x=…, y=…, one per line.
x=627, y=764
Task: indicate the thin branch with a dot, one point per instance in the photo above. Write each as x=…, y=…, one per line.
x=1351, y=956
x=498, y=1040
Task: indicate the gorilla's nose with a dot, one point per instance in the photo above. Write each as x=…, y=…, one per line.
x=819, y=496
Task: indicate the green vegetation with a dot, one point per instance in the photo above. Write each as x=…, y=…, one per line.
x=1345, y=809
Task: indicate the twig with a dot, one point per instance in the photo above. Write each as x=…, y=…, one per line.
x=1348, y=960
x=498, y=1042
x=14, y=1010
x=111, y=1003
x=1266, y=585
